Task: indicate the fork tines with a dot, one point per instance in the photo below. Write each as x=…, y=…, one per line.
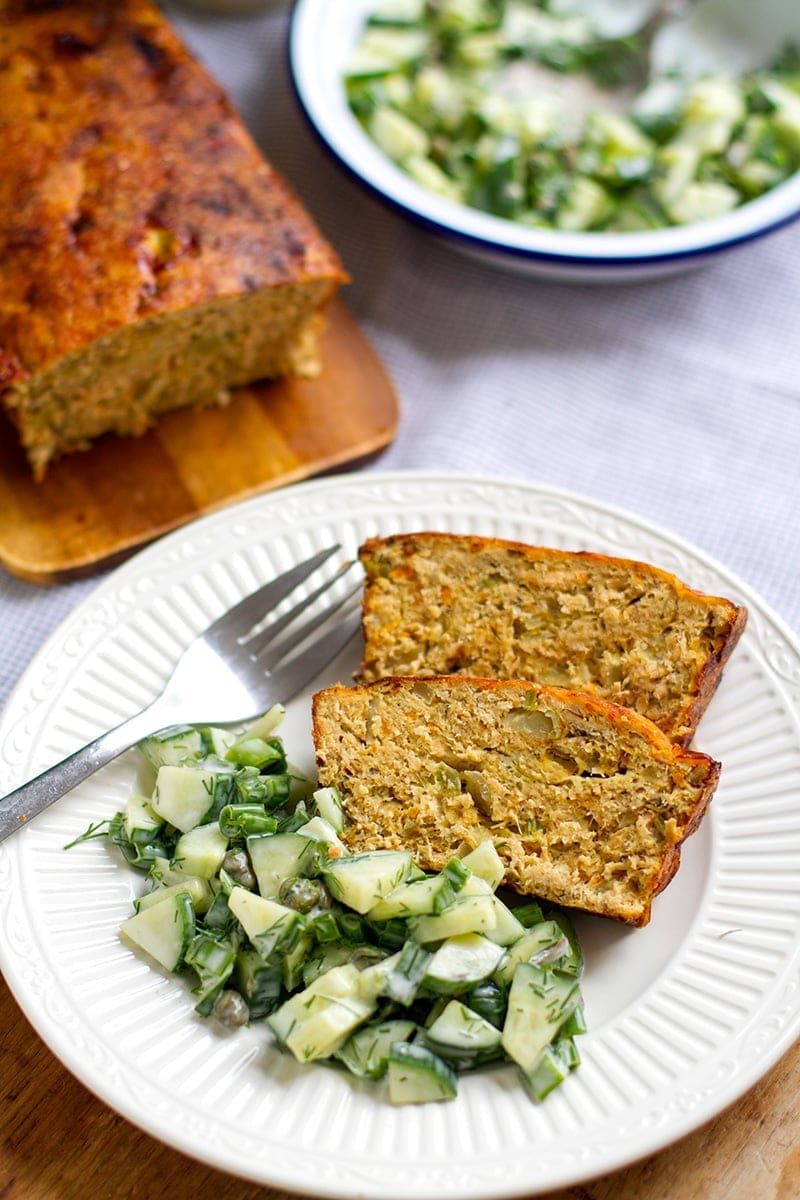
x=279, y=639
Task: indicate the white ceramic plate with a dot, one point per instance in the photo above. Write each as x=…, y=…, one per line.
x=323, y=34
x=684, y=1015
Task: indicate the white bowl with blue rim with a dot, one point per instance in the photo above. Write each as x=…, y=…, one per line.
x=738, y=34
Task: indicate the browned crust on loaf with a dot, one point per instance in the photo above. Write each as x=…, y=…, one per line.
x=130, y=188
x=710, y=676
x=113, y=131
x=680, y=725
x=353, y=768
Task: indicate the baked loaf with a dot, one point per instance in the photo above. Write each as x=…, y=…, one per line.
x=586, y=802
x=441, y=604
x=151, y=258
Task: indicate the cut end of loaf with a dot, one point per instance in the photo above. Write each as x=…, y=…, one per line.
x=127, y=379
x=586, y=802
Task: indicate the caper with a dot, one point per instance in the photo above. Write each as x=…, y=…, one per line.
x=231, y=1009
x=304, y=894
x=237, y=865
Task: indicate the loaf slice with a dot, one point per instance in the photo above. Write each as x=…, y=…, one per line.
x=151, y=258
x=586, y=802
x=437, y=604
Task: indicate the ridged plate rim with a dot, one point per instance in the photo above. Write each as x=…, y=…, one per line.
x=733, y=982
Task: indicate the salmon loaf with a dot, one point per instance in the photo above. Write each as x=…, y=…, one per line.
x=151, y=258
x=586, y=802
x=437, y=604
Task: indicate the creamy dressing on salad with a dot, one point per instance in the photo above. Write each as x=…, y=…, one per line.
x=528, y=113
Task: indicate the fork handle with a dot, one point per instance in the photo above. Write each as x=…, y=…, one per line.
x=17, y=808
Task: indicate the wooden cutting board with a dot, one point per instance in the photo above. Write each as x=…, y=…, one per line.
x=94, y=508
x=57, y=1142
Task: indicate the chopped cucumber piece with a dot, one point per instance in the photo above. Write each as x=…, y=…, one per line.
x=431, y=894
x=587, y=205
x=326, y=1027
x=285, y=1018
x=574, y=1024
x=398, y=136
x=366, y=1052
x=140, y=821
x=463, y=1036
x=257, y=752
x=461, y=962
x=217, y=741
x=486, y=863
x=568, y=1050
x=431, y=176
x=361, y=880
x=294, y=960
x=320, y=830
x=187, y=796
x=271, y=927
x=544, y=943
x=410, y=899
x=397, y=12
x=213, y=959
x=528, y=913
x=465, y=16
x=467, y=914
x=441, y=95
x=317, y=1021
x=506, y=929
x=142, y=851
x=551, y=1070
x=260, y=983
x=417, y=1076
x=200, y=851
x=334, y=953
x=372, y=980
x=196, y=889
x=172, y=747
x=702, y=201
x=489, y=1000
x=381, y=51
x=617, y=136
x=328, y=803
x=712, y=108
x=164, y=931
x=676, y=167
x=280, y=856
x=266, y=725
x=539, y=1003
x=407, y=975
x=786, y=115
x=165, y=874
x=574, y=960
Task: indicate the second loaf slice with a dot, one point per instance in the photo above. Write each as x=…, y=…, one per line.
x=586, y=802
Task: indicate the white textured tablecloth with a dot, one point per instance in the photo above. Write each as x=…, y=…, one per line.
x=678, y=400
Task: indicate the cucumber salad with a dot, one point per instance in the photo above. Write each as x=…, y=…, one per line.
x=362, y=960
x=518, y=110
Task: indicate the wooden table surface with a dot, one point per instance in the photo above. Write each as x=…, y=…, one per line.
x=58, y=1142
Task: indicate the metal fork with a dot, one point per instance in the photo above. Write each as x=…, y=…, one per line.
x=231, y=672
